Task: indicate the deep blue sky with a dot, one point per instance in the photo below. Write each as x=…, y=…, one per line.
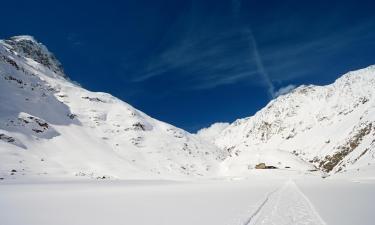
x=192, y=63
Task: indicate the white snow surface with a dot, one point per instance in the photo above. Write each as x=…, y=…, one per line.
x=269, y=198
x=332, y=127
x=212, y=131
x=72, y=156
x=49, y=126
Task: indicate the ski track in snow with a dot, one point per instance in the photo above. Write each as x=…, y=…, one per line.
x=286, y=205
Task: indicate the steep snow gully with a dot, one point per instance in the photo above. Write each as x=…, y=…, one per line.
x=284, y=206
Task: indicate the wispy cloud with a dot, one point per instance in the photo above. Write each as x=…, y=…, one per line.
x=288, y=60
x=259, y=63
x=208, y=57
x=206, y=61
x=202, y=56
x=253, y=49
x=285, y=90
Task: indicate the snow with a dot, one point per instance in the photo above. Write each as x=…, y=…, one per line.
x=283, y=160
x=330, y=126
x=24, y=37
x=341, y=201
x=285, y=90
x=129, y=202
x=211, y=132
x=283, y=199
x=72, y=156
x=286, y=205
x=63, y=130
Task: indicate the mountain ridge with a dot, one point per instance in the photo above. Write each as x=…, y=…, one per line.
x=339, y=117
x=52, y=127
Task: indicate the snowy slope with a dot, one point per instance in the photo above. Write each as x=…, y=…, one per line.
x=210, y=133
x=331, y=126
x=50, y=126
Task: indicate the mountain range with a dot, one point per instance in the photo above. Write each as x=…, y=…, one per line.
x=50, y=126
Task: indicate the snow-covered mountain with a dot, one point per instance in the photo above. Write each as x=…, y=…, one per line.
x=50, y=126
x=332, y=127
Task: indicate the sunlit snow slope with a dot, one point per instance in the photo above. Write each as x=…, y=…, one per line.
x=50, y=126
x=332, y=127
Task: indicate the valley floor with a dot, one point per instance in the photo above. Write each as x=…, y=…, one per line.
x=258, y=199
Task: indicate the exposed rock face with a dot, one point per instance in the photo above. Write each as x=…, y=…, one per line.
x=28, y=47
x=7, y=138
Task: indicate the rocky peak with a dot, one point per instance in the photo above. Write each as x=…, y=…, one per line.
x=27, y=46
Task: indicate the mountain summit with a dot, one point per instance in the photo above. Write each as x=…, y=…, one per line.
x=28, y=47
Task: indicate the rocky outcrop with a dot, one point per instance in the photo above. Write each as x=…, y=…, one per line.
x=28, y=47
